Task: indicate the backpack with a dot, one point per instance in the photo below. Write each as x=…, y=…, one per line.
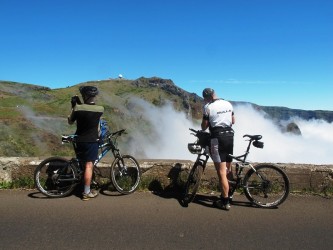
x=103, y=130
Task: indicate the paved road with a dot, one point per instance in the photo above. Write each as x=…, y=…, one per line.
x=147, y=221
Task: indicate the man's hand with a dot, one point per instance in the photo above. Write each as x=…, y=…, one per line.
x=75, y=100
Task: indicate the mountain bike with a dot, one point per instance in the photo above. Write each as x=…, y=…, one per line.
x=264, y=185
x=58, y=177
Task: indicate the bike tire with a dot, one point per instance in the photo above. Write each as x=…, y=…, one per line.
x=125, y=174
x=50, y=177
x=192, y=183
x=267, y=186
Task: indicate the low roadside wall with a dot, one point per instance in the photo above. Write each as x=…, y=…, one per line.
x=164, y=174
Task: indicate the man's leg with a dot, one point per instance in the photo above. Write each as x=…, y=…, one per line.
x=87, y=194
x=230, y=175
x=222, y=175
x=88, y=176
x=220, y=166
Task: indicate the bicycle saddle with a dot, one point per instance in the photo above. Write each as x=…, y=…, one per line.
x=253, y=137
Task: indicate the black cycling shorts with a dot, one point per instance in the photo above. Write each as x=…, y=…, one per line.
x=87, y=151
x=221, y=146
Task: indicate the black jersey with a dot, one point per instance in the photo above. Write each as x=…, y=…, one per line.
x=87, y=118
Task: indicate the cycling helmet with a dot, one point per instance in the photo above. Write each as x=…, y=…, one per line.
x=89, y=91
x=194, y=148
x=207, y=92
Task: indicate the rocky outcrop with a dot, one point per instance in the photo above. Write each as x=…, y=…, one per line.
x=165, y=84
x=293, y=129
x=191, y=103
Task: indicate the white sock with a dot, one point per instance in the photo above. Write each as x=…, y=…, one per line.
x=86, y=189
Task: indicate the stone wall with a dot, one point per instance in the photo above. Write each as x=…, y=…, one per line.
x=164, y=173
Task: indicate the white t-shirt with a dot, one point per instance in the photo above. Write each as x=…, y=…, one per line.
x=219, y=113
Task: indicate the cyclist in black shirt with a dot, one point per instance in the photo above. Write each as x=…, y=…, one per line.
x=218, y=116
x=87, y=116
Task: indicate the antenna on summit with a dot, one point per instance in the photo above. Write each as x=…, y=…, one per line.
x=120, y=76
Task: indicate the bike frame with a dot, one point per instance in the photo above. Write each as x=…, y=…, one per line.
x=241, y=163
x=53, y=171
x=241, y=180
x=105, y=148
x=242, y=158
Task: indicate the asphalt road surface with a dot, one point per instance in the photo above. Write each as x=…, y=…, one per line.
x=148, y=221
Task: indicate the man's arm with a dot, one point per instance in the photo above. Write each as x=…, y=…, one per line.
x=70, y=118
x=205, y=118
x=204, y=124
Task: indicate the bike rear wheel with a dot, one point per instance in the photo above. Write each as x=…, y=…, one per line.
x=125, y=174
x=268, y=186
x=193, y=183
x=55, y=177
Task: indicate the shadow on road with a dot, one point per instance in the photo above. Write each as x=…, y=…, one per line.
x=207, y=201
x=104, y=190
x=175, y=191
x=38, y=195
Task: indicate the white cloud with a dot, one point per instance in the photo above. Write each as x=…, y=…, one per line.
x=169, y=132
x=170, y=135
x=315, y=146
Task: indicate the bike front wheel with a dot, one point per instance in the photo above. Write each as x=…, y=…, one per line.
x=193, y=183
x=267, y=186
x=125, y=174
x=55, y=177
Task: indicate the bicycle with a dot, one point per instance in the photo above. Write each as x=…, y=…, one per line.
x=264, y=185
x=58, y=177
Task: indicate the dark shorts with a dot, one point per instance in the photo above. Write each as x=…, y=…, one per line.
x=221, y=147
x=87, y=151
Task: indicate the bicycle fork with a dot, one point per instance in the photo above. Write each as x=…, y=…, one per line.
x=121, y=163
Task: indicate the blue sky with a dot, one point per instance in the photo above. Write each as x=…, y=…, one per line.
x=269, y=52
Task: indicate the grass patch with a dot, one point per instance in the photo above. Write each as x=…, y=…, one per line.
x=23, y=182
x=150, y=183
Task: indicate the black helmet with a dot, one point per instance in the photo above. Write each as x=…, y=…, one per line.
x=207, y=92
x=89, y=91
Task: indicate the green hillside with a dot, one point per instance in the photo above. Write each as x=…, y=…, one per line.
x=34, y=117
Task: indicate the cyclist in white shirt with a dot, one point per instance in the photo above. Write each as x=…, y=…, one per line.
x=218, y=116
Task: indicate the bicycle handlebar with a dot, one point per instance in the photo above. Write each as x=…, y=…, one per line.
x=71, y=138
x=68, y=138
x=193, y=130
x=118, y=133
